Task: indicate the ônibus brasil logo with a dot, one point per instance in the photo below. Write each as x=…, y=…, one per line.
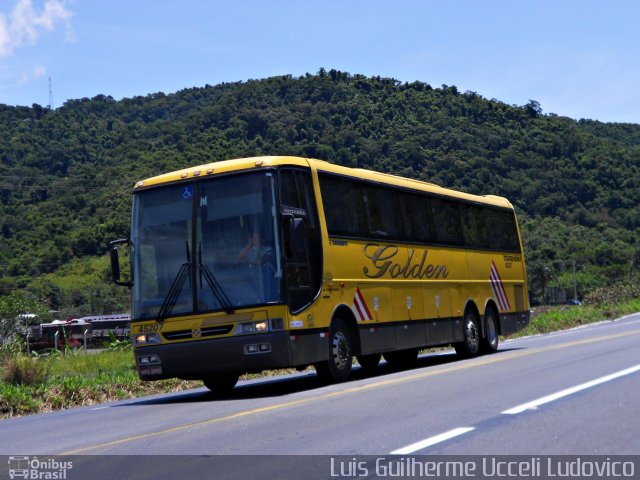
x=33, y=468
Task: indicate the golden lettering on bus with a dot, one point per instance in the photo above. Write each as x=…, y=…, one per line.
x=383, y=259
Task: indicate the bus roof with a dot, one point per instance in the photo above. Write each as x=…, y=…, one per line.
x=253, y=163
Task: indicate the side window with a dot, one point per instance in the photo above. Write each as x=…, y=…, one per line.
x=383, y=216
x=446, y=218
x=296, y=190
x=289, y=194
x=502, y=229
x=417, y=218
x=344, y=207
x=363, y=210
x=308, y=199
x=474, y=226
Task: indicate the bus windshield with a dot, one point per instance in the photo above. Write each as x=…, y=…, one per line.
x=204, y=246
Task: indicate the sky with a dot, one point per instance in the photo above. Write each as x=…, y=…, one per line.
x=577, y=58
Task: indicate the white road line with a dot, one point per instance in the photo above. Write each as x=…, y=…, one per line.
x=427, y=442
x=569, y=391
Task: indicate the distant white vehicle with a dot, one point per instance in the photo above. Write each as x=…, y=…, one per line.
x=72, y=332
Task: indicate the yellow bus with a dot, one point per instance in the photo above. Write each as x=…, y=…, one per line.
x=273, y=262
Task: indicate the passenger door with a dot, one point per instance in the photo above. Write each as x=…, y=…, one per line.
x=301, y=233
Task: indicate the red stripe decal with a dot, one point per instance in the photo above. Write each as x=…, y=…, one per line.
x=360, y=305
x=498, y=288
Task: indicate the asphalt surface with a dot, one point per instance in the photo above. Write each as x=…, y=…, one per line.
x=573, y=393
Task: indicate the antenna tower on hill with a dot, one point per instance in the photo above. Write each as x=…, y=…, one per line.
x=50, y=106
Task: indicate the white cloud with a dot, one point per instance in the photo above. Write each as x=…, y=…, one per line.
x=39, y=71
x=24, y=24
x=35, y=73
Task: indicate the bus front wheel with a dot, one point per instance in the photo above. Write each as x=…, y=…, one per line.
x=470, y=344
x=221, y=383
x=338, y=367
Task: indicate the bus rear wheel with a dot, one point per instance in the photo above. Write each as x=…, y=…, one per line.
x=470, y=344
x=490, y=340
x=338, y=368
x=221, y=383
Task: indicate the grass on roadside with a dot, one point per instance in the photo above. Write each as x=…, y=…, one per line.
x=563, y=317
x=47, y=383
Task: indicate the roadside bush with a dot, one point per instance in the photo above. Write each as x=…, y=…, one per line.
x=115, y=343
x=17, y=400
x=22, y=369
x=613, y=294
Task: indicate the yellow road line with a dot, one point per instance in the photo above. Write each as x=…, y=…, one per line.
x=361, y=388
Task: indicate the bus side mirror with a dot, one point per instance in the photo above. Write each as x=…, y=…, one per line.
x=115, y=262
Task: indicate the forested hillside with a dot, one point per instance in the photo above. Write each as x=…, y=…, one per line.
x=66, y=174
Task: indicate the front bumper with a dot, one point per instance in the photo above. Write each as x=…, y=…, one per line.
x=196, y=359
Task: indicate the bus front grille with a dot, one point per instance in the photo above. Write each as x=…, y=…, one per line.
x=205, y=332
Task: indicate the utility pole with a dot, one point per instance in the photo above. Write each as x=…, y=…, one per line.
x=50, y=106
x=575, y=283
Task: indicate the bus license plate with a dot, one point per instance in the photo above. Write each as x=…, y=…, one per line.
x=151, y=370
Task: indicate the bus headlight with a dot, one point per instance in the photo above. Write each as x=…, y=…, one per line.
x=261, y=326
x=146, y=339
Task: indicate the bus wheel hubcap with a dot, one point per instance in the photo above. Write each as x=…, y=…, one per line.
x=341, y=353
x=491, y=330
x=472, y=334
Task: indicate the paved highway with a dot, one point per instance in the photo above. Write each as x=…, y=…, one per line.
x=573, y=392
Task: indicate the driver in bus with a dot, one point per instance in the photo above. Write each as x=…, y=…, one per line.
x=254, y=253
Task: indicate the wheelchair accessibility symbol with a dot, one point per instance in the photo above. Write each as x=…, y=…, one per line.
x=187, y=193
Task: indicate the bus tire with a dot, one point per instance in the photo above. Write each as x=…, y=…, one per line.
x=338, y=368
x=369, y=362
x=490, y=340
x=470, y=345
x=221, y=383
x=401, y=359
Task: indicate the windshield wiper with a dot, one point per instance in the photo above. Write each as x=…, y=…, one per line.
x=214, y=285
x=172, y=297
x=174, y=291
